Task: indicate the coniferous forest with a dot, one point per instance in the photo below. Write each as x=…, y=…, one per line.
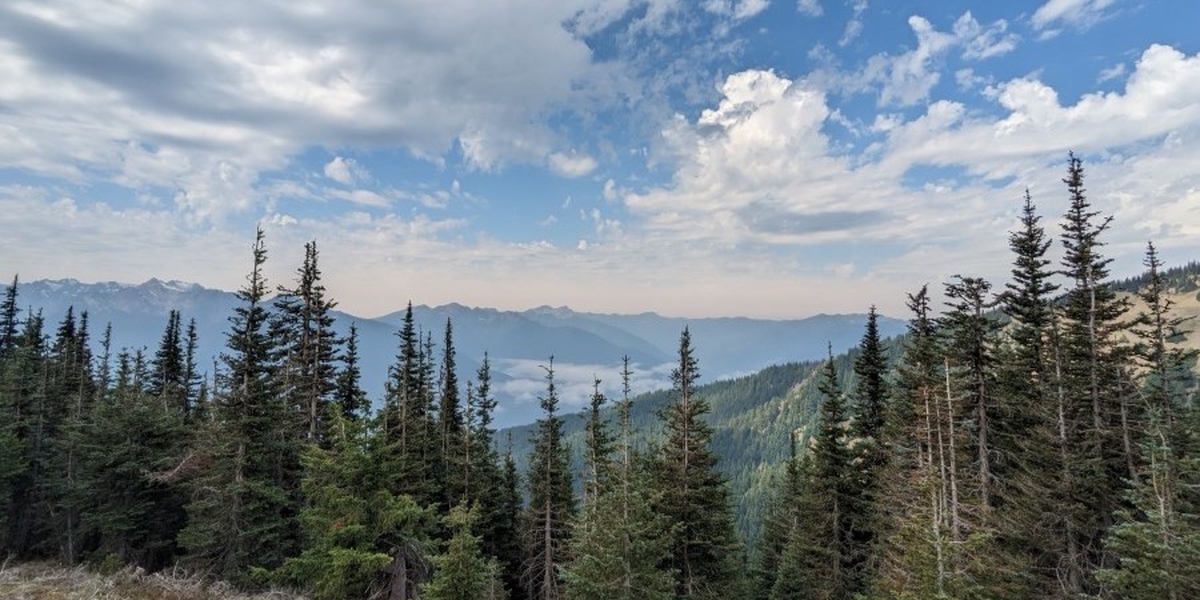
x=1032, y=438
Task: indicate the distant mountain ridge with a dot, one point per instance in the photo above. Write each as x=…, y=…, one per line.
x=584, y=345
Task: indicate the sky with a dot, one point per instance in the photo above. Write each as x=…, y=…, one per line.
x=764, y=158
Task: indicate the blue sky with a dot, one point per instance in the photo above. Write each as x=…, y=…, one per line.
x=765, y=158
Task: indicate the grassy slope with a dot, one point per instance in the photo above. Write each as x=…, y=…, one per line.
x=43, y=581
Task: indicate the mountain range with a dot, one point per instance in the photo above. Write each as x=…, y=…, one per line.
x=584, y=346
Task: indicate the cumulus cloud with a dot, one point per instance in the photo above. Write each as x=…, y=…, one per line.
x=757, y=171
x=345, y=171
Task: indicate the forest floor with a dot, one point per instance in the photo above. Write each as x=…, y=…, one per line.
x=45, y=581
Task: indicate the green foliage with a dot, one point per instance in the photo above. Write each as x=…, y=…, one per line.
x=703, y=550
x=551, y=509
x=462, y=572
x=355, y=531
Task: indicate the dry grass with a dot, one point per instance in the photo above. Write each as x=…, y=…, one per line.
x=44, y=581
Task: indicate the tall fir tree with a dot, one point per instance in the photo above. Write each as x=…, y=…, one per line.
x=1095, y=421
x=551, y=507
x=451, y=459
x=1156, y=541
x=307, y=364
x=351, y=399
x=619, y=544
x=867, y=429
x=242, y=517
x=695, y=496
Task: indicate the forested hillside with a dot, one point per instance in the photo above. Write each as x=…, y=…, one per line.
x=1033, y=438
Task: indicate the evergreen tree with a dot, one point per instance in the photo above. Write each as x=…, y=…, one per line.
x=303, y=322
x=462, y=572
x=361, y=540
x=1157, y=541
x=349, y=395
x=506, y=526
x=1096, y=412
x=818, y=559
x=25, y=402
x=241, y=517
x=9, y=322
x=867, y=429
x=551, y=505
x=135, y=500
x=618, y=544
x=451, y=457
x=405, y=420
x=694, y=495
x=599, y=447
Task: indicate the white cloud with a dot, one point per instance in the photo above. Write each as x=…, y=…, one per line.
x=855, y=26
x=204, y=101
x=810, y=8
x=1079, y=13
x=345, y=171
x=907, y=79
x=1114, y=72
x=979, y=42
x=755, y=171
x=571, y=165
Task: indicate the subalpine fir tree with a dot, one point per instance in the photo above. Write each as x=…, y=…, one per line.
x=867, y=429
x=307, y=367
x=135, y=504
x=70, y=392
x=619, y=544
x=24, y=399
x=241, y=517
x=818, y=558
x=462, y=571
x=551, y=507
x=451, y=460
x=349, y=395
x=361, y=540
x=1156, y=542
x=704, y=551
x=1097, y=417
x=406, y=426
x=1024, y=426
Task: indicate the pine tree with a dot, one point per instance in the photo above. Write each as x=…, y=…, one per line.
x=695, y=496
x=551, y=505
x=506, y=543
